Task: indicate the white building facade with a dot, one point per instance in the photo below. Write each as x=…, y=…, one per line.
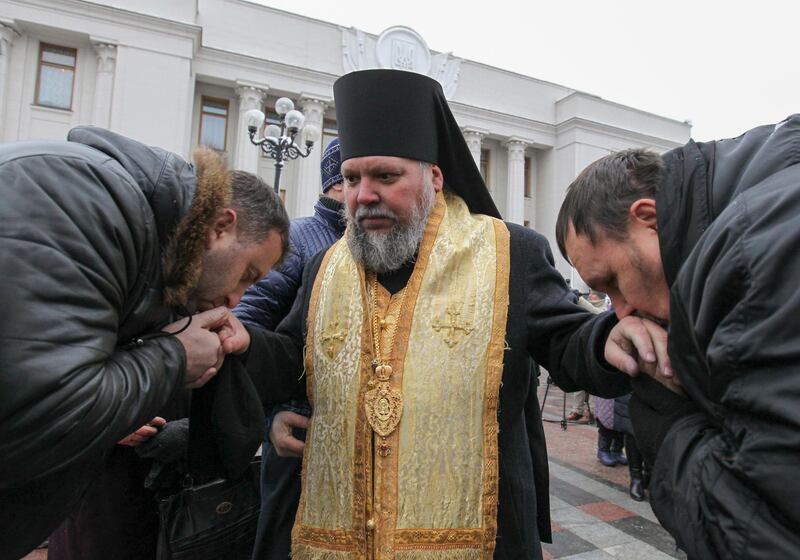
x=180, y=73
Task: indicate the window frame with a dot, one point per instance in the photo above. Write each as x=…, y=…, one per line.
x=40, y=62
x=487, y=179
x=227, y=102
x=527, y=177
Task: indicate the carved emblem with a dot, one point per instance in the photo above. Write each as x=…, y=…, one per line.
x=401, y=48
x=403, y=54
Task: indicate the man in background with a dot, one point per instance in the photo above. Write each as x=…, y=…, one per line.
x=264, y=305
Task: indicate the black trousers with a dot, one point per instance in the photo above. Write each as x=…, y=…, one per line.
x=116, y=517
x=280, y=496
x=31, y=511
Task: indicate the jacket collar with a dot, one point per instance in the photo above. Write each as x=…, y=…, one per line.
x=682, y=209
x=183, y=257
x=329, y=211
x=701, y=180
x=184, y=199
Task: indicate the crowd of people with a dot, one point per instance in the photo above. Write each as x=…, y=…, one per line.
x=161, y=312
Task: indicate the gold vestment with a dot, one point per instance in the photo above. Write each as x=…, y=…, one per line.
x=431, y=491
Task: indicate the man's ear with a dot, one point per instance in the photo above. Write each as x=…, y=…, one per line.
x=643, y=212
x=437, y=177
x=224, y=224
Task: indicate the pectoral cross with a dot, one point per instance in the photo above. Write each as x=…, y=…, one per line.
x=452, y=327
x=329, y=340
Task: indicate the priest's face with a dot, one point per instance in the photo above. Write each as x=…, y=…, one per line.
x=388, y=200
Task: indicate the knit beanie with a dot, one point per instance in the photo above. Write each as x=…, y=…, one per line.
x=330, y=168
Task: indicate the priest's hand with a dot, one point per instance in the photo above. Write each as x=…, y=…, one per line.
x=234, y=337
x=637, y=345
x=280, y=433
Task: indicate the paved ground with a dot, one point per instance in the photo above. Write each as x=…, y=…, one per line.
x=593, y=516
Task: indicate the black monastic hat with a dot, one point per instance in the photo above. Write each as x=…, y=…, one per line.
x=405, y=114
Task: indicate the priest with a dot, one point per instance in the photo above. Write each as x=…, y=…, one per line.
x=412, y=338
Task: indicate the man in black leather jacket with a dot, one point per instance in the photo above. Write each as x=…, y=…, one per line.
x=103, y=243
x=705, y=239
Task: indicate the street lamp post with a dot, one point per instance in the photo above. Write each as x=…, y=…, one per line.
x=278, y=142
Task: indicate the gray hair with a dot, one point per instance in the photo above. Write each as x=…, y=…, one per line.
x=599, y=199
x=383, y=253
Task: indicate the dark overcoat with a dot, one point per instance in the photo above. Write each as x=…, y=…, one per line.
x=725, y=482
x=544, y=323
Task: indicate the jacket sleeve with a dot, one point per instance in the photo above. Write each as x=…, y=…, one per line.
x=71, y=253
x=563, y=337
x=725, y=479
x=275, y=359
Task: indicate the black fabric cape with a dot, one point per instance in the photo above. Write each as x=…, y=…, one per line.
x=379, y=110
x=545, y=323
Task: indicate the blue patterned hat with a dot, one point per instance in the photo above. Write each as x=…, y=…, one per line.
x=331, y=166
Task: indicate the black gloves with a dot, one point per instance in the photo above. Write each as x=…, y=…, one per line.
x=654, y=409
x=168, y=445
x=167, y=449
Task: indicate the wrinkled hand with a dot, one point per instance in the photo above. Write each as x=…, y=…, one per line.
x=637, y=345
x=204, y=353
x=143, y=434
x=234, y=337
x=280, y=433
x=669, y=381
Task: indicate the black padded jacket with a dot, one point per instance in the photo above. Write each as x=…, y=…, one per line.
x=725, y=482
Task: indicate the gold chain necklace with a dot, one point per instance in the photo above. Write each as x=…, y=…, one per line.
x=383, y=404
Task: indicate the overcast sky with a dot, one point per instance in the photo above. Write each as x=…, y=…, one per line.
x=726, y=66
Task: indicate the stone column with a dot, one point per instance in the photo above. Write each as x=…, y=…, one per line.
x=308, y=185
x=104, y=82
x=515, y=192
x=474, y=137
x=7, y=36
x=250, y=97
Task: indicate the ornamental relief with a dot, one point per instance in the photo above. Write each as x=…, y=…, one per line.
x=399, y=48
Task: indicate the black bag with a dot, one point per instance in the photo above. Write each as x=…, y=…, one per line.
x=213, y=520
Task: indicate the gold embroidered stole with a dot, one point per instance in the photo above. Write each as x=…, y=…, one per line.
x=434, y=495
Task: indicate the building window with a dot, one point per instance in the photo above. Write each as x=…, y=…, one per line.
x=56, y=76
x=213, y=123
x=329, y=132
x=485, y=167
x=528, y=182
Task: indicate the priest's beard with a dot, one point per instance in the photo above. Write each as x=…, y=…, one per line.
x=385, y=252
